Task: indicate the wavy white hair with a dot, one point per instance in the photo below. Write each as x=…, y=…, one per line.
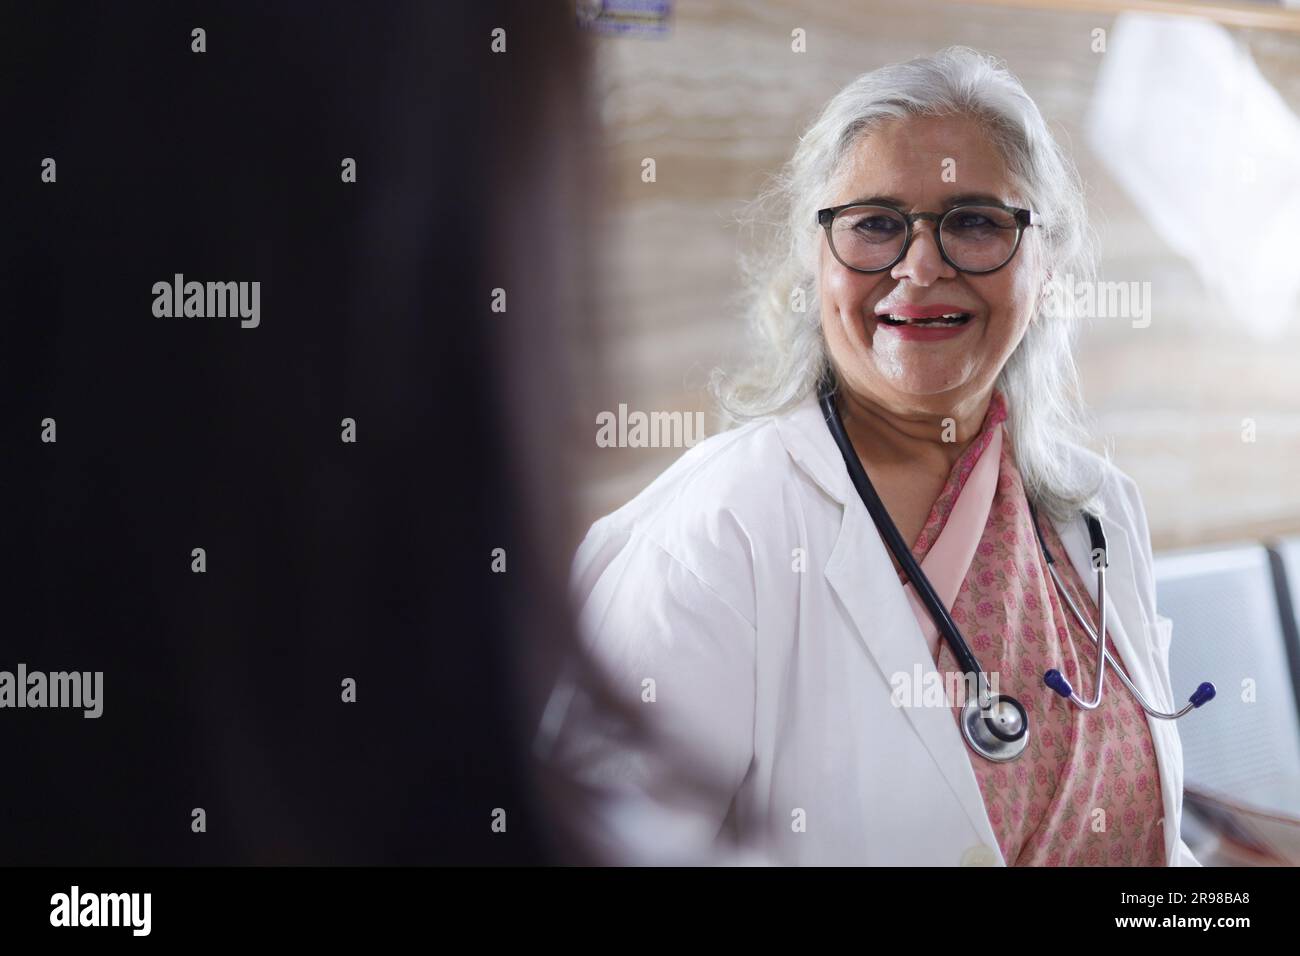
x=1040, y=380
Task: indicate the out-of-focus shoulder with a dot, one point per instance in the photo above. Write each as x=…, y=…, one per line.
x=740, y=471
x=730, y=498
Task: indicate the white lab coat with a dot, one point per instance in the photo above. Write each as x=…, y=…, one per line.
x=768, y=688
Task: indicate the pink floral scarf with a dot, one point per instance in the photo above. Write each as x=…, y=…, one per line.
x=1086, y=790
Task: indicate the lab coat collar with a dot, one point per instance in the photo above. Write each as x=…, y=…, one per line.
x=860, y=572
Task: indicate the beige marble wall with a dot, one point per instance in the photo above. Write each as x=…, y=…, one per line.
x=718, y=104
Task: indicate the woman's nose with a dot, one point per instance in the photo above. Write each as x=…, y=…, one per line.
x=922, y=263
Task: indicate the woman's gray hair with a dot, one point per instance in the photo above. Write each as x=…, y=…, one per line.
x=1040, y=380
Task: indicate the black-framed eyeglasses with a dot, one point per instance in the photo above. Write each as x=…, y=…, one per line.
x=975, y=238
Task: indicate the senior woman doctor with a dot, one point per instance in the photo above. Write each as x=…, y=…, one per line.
x=748, y=601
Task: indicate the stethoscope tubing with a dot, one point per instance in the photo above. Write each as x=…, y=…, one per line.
x=880, y=515
x=1119, y=672
x=943, y=620
x=1103, y=655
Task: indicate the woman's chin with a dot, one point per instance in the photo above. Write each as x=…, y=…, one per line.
x=928, y=383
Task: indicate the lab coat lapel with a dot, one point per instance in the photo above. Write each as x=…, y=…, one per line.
x=863, y=578
x=1126, y=622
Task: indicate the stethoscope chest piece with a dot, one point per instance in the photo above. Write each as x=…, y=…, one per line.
x=998, y=733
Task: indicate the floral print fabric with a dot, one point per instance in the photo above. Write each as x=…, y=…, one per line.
x=1086, y=790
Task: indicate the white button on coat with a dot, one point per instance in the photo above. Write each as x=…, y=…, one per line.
x=981, y=856
x=747, y=605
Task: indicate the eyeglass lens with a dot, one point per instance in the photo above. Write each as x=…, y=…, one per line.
x=974, y=238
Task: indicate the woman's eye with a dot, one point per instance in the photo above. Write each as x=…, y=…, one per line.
x=877, y=224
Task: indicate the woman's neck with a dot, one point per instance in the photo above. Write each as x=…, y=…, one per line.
x=931, y=438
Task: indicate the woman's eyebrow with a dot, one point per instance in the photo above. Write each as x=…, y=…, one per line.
x=983, y=198
x=949, y=202
x=878, y=201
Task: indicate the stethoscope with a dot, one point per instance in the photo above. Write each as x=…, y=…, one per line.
x=995, y=726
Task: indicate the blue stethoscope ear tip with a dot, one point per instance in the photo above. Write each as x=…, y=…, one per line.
x=1056, y=680
x=1204, y=694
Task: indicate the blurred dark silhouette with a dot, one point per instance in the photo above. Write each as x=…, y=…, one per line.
x=325, y=560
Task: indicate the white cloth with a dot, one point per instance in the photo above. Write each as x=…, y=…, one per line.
x=747, y=591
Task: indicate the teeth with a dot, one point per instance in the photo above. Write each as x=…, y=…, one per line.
x=947, y=318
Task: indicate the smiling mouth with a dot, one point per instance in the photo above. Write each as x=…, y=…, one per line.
x=948, y=320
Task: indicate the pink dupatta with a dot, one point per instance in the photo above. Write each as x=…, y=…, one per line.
x=1086, y=790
